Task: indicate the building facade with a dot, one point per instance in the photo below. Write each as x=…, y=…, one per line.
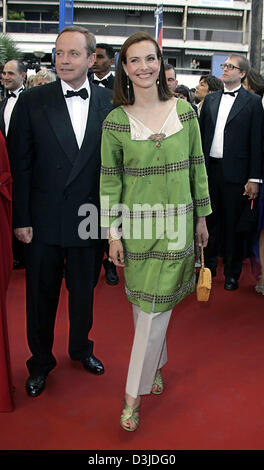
x=192, y=29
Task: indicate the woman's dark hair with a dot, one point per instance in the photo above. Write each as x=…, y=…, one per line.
x=121, y=95
x=183, y=90
x=256, y=82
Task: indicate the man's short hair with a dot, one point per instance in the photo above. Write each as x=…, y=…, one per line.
x=213, y=82
x=243, y=63
x=90, y=38
x=108, y=49
x=170, y=67
x=21, y=68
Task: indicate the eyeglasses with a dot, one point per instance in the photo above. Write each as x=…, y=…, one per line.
x=229, y=67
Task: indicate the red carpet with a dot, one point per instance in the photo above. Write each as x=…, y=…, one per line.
x=214, y=378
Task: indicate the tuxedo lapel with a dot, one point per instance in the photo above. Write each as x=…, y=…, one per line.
x=91, y=136
x=215, y=99
x=240, y=101
x=57, y=113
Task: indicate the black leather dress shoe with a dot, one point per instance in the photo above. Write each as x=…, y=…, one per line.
x=35, y=385
x=110, y=273
x=231, y=283
x=92, y=364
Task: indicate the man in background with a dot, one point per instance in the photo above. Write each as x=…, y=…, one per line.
x=102, y=74
x=13, y=77
x=231, y=123
x=171, y=78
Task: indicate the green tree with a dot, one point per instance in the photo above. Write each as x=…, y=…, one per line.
x=8, y=49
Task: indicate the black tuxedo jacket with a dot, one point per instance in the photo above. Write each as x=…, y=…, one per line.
x=2, y=109
x=53, y=178
x=243, y=135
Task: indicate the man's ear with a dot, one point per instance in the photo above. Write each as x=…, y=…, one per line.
x=91, y=59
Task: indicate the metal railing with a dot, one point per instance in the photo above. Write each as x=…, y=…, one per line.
x=125, y=30
x=216, y=35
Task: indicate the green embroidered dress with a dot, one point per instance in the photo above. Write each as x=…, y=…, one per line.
x=154, y=185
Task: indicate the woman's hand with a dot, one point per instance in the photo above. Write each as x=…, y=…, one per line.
x=202, y=232
x=116, y=253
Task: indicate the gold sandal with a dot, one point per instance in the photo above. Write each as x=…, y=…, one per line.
x=129, y=413
x=157, y=386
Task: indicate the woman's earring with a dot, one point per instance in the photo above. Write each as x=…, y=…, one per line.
x=128, y=88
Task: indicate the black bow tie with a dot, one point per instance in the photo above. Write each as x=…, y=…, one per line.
x=11, y=94
x=83, y=93
x=104, y=81
x=231, y=93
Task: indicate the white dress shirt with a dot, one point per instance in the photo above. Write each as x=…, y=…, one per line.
x=10, y=106
x=78, y=110
x=225, y=106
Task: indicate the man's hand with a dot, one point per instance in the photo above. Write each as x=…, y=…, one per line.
x=251, y=190
x=24, y=234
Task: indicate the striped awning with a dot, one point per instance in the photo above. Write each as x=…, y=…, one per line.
x=214, y=12
x=127, y=6
x=199, y=52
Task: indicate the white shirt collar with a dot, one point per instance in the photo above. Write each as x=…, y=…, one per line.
x=18, y=91
x=104, y=78
x=66, y=87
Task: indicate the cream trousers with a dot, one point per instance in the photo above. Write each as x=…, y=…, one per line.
x=149, y=350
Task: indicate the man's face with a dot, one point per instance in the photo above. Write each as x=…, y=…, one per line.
x=202, y=89
x=72, y=60
x=102, y=65
x=171, y=79
x=232, y=77
x=11, y=78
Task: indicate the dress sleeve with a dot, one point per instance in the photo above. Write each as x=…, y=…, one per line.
x=198, y=175
x=111, y=179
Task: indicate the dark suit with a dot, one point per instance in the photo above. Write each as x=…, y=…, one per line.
x=242, y=160
x=53, y=178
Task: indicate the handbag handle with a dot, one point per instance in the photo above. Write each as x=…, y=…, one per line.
x=202, y=257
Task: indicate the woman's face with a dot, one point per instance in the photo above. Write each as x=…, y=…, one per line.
x=142, y=65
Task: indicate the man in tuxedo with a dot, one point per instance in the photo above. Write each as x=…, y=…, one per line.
x=13, y=76
x=56, y=165
x=231, y=123
x=102, y=74
x=103, y=77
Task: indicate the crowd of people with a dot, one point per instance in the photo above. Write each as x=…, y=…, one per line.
x=148, y=156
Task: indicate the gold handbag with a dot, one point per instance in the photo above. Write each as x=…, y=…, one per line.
x=204, y=283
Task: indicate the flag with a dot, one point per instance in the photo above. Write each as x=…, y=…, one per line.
x=158, y=14
x=65, y=13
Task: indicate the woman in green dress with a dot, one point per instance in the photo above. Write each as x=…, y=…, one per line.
x=153, y=185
